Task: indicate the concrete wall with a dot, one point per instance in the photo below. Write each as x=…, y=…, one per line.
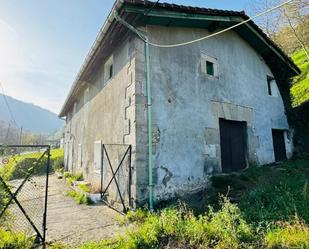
x=187, y=106
x=103, y=112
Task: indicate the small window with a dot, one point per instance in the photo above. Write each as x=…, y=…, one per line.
x=271, y=86
x=209, y=66
x=109, y=69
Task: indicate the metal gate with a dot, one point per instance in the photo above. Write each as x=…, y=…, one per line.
x=24, y=174
x=116, y=176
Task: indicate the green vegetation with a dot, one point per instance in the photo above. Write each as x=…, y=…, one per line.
x=180, y=228
x=11, y=240
x=20, y=165
x=272, y=212
x=288, y=236
x=300, y=88
x=80, y=198
x=70, y=178
x=84, y=187
x=269, y=193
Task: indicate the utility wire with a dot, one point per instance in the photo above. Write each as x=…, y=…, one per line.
x=8, y=106
x=199, y=39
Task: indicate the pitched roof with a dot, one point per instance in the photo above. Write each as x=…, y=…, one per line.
x=147, y=12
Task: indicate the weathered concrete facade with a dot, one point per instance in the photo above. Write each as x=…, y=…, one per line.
x=103, y=114
x=187, y=106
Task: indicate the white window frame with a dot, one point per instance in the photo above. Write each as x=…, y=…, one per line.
x=214, y=61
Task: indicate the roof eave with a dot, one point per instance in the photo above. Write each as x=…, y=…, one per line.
x=232, y=15
x=117, y=5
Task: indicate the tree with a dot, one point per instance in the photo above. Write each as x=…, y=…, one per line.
x=288, y=26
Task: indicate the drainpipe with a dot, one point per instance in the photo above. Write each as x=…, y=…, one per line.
x=149, y=106
x=149, y=115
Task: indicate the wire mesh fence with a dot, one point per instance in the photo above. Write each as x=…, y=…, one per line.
x=23, y=189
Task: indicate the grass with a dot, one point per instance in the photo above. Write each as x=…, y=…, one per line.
x=19, y=165
x=288, y=235
x=80, y=198
x=84, y=187
x=14, y=240
x=269, y=193
x=272, y=212
x=180, y=228
x=70, y=178
x=300, y=88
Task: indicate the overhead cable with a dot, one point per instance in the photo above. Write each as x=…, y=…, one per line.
x=142, y=36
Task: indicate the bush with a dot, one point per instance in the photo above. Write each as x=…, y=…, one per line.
x=11, y=240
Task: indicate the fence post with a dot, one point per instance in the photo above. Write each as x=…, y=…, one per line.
x=46, y=197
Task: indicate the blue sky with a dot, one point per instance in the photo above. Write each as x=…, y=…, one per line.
x=43, y=43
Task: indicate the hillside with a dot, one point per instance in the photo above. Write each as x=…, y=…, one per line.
x=300, y=88
x=32, y=118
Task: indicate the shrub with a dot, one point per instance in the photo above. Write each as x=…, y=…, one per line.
x=11, y=240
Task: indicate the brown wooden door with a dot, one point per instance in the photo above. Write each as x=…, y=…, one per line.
x=279, y=145
x=233, y=145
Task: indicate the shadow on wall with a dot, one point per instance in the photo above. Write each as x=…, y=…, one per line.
x=301, y=125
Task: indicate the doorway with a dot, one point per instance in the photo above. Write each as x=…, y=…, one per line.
x=233, y=145
x=279, y=145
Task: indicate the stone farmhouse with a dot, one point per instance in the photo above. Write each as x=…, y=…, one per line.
x=209, y=107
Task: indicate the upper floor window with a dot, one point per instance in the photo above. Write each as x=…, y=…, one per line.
x=209, y=66
x=271, y=86
x=109, y=69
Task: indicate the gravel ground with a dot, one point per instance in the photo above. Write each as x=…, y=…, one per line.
x=73, y=224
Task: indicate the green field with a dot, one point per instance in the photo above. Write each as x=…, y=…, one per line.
x=300, y=87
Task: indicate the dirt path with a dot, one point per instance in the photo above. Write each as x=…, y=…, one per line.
x=74, y=224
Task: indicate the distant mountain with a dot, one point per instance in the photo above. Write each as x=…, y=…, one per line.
x=33, y=118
